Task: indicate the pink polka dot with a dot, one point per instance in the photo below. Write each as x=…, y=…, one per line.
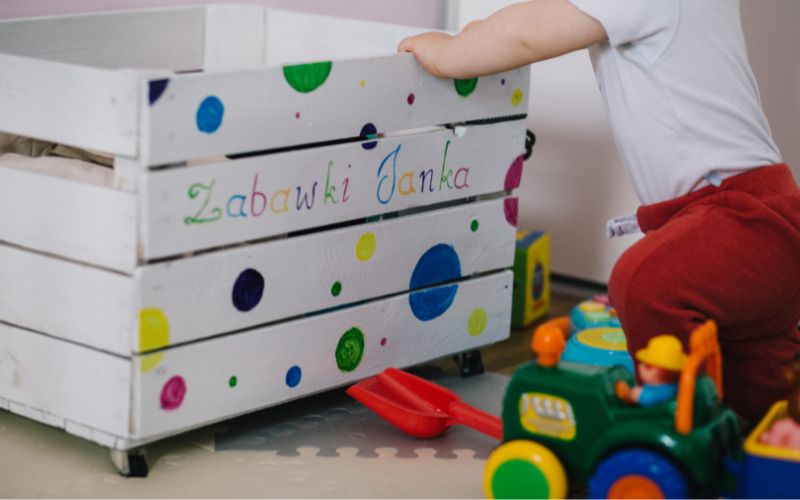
x=297, y=115
x=411, y=98
x=383, y=341
x=173, y=392
x=511, y=209
x=514, y=174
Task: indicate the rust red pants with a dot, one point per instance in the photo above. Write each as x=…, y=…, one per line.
x=731, y=254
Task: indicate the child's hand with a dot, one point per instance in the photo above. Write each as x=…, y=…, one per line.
x=425, y=48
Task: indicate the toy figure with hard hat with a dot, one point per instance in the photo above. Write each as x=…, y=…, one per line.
x=660, y=365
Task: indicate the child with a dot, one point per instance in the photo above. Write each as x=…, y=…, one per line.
x=720, y=213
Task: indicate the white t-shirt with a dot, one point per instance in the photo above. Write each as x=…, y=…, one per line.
x=679, y=91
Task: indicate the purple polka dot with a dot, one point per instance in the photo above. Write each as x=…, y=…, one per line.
x=514, y=174
x=369, y=131
x=411, y=98
x=511, y=209
x=297, y=115
x=503, y=81
x=173, y=392
x=383, y=341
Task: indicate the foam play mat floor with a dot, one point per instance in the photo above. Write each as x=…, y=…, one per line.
x=326, y=445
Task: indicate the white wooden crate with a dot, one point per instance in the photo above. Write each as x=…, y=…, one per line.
x=292, y=207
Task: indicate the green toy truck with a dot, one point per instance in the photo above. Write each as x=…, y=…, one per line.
x=564, y=425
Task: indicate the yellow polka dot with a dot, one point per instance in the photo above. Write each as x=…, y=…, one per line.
x=153, y=334
x=362, y=83
x=517, y=97
x=477, y=322
x=365, y=248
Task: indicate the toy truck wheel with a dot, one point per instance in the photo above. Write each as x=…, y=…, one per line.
x=638, y=473
x=524, y=469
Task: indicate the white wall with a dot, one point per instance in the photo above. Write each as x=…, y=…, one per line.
x=576, y=181
x=423, y=13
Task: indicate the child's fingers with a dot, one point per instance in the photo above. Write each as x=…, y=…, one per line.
x=406, y=45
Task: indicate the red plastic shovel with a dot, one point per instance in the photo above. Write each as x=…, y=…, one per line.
x=419, y=407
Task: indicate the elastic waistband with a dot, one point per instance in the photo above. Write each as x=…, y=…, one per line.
x=760, y=182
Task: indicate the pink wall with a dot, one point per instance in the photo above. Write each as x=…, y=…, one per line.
x=423, y=13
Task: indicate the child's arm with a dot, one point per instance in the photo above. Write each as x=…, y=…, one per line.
x=512, y=37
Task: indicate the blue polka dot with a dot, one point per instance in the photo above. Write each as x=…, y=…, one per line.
x=248, y=290
x=209, y=114
x=440, y=264
x=293, y=376
x=369, y=131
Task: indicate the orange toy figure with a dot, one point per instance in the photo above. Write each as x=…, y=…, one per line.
x=785, y=432
x=660, y=364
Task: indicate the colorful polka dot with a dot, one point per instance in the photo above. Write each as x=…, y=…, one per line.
x=297, y=115
x=474, y=225
x=514, y=173
x=411, y=98
x=293, y=376
x=233, y=381
x=307, y=78
x=209, y=114
x=362, y=83
x=477, y=322
x=153, y=335
x=156, y=90
x=439, y=264
x=383, y=341
x=466, y=87
x=365, y=248
x=503, y=81
x=517, y=97
x=336, y=289
x=369, y=131
x=172, y=393
x=350, y=350
x=511, y=210
x=248, y=290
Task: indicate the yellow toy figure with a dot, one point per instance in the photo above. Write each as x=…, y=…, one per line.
x=660, y=365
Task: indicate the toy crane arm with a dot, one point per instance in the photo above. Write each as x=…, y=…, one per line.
x=704, y=347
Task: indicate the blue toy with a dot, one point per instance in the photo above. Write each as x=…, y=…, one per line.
x=592, y=313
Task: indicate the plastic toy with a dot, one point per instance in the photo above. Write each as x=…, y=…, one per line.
x=419, y=407
x=594, y=313
x=564, y=421
x=660, y=365
x=531, y=297
x=602, y=346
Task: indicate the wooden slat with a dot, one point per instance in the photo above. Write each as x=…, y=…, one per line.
x=73, y=105
x=170, y=39
x=67, y=300
x=234, y=37
x=67, y=218
x=193, y=384
x=298, y=37
x=202, y=115
x=200, y=297
x=60, y=381
x=212, y=205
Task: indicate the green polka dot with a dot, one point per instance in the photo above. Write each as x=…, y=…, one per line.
x=233, y=381
x=153, y=335
x=336, y=289
x=365, y=248
x=466, y=87
x=474, y=226
x=307, y=77
x=477, y=322
x=350, y=350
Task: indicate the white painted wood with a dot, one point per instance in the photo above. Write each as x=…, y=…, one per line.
x=261, y=358
x=234, y=37
x=78, y=221
x=260, y=110
x=73, y=105
x=479, y=161
x=68, y=300
x=195, y=294
x=156, y=38
x=58, y=380
x=296, y=37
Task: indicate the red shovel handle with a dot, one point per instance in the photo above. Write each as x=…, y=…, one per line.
x=474, y=418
